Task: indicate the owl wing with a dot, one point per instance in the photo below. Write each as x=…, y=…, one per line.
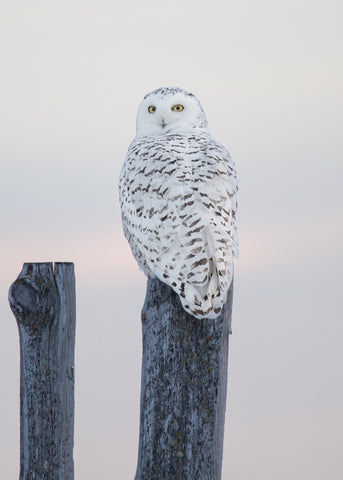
x=178, y=198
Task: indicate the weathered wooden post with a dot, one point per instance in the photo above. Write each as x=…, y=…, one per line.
x=43, y=302
x=183, y=389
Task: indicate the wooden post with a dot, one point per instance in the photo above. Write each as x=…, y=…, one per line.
x=43, y=302
x=183, y=389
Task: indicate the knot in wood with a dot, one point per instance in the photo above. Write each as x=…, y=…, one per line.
x=33, y=296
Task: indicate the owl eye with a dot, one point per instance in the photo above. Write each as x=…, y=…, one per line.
x=178, y=108
x=152, y=109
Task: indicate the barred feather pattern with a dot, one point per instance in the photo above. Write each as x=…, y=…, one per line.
x=178, y=198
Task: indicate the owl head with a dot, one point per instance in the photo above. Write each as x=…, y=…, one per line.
x=170, y=110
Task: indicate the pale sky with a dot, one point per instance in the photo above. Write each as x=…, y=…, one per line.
x=269, y=75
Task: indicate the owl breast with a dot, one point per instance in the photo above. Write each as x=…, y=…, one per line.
x=178, y=203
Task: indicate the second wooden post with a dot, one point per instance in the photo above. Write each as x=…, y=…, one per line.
x=43, y=302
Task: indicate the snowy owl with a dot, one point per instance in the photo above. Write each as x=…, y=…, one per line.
x=178, y=197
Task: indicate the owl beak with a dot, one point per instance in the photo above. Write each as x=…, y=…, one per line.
x=163, y=124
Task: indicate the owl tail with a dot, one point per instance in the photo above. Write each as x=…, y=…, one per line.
x=207, y=300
